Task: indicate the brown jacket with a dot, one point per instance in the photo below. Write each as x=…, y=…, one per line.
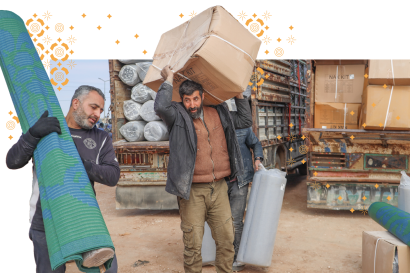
x=212, y=158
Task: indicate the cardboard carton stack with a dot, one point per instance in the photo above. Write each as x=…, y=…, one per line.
x=338, y=93
x=386, y=100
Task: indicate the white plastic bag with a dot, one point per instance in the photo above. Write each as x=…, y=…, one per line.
x=147, y=111
x=141, y=93
x=129, y=75
x=404, y=192
x=132, y=110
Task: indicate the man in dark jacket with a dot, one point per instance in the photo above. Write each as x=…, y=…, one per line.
x=96, y=152
x=203, y=151
x=238, y=188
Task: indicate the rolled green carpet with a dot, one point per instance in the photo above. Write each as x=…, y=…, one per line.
x=72, y=218
x=393, y=219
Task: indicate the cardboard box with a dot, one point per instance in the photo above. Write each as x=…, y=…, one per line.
x=340, y=62
x=339, y=83
x=213, y=49
x=376, y=107
x=387, y=245
x=389, y=72
x=337, y=115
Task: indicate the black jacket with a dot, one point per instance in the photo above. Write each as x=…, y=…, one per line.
x=183, y=139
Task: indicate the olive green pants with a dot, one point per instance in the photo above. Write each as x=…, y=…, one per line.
x=207, y=202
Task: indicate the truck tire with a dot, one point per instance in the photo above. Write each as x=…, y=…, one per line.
x=302, y=169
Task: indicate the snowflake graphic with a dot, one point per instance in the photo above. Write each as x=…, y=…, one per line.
x=193, y=13
x=47, y=40
x=242, y=15
x=316, y=186
x=47, y=15
x=46, y=64
x=291, y=39
x=291, y=161
x=267, y=15
x=292, y=137
x=71, y=40
x=364, y=212
x=71, y=64
x=266, y=40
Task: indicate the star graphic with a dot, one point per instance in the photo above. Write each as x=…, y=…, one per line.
x=364, y=125
x=136, y=36
x=352, y=137
x=34, y=15
x=71, y=27
x=117, y=42
x=10, y=137
x=388, y=198
x=376, y=186
x=71, y=52
x=279, y=39
x=254, y=15
x=99, y=27
x=109, y=16
x=352, y=113
x=83, y=15
x=303, y=161
x=327, y=186
x=59, y=88
x=267, y=52
x=59, y=40
x=397, y=117
x=364, y=198
x=291, y=27
x=366, y=76
x=340, y=198
x=352, y=210
x=145, y=52
x=303, y=137
x=315, y=173
x=373, y=104
x=266, y=27
x=10, y=113
x=181, y=15
x=279, y=137
x=384, y=86
x=291, y=125
x=291, y=149
x=47, y=27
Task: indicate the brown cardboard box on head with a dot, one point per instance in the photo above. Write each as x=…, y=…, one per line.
x=383, y=256
x=386, y=108
x=389, y=72
x=213, y=49
x=337, y=115
x=339, y=83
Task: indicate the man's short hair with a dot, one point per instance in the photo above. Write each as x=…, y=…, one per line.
x=83, y=91
x=188, y=87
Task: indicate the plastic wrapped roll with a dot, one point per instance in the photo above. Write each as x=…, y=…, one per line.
x=141, y=93
x=131, y=61
x=153, y=94
x=142, y=69
x=132, y=110
x=133, y=130
x=147, y=111
x=156, y=131
x=129, y=75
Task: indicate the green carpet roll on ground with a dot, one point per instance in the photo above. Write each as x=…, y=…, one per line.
x=72, y=218
x=393, y=219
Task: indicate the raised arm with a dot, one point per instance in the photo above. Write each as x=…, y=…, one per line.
x=242, y=118
x=162, y=105
x=21, y=152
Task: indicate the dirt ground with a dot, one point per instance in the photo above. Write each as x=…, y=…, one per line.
x=308, y=240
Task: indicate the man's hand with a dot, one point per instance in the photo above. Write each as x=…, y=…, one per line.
x=45, y=125
x=257, y=162
x=239, y=96
x=167, y=74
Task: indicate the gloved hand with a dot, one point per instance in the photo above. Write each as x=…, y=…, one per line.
x=45, y=125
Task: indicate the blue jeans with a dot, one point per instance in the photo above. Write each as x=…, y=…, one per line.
x=237, y=200
x=43, y=260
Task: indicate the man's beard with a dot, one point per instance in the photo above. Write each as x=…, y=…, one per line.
x=196, y=114
x=81, y=118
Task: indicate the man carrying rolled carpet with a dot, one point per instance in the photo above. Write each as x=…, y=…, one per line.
x=204, y=152
x=96, y=152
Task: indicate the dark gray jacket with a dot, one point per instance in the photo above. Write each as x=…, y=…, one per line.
x=183, y=139
x=247, y=140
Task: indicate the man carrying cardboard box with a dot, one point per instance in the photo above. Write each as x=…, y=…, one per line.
x=203, y=152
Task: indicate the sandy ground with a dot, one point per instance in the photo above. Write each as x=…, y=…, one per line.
x=308, y=240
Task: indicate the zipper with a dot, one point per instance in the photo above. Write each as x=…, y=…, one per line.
x=209, y=141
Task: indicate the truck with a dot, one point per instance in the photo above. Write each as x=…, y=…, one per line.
x=349, y=169
x=278, y=101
